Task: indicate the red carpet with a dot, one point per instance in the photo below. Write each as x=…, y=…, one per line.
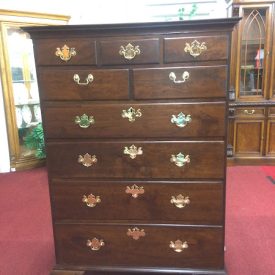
x=26, y=244
x=250, y=221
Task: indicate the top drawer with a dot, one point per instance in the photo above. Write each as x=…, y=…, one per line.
x=136, y=51
x=65, y=52
x=202, y=48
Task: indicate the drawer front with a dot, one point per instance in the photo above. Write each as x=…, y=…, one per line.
x=193, y=203
x=114, y=245
x=99, y=84
x=65, y=52
x=249, y=112
x=137, y=159
x=203, y=48
x=135, y=120
x=136, y=51
x=180, y=82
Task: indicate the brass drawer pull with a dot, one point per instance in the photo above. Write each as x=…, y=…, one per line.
x=91, y=200
x=180, y=160
x=131, y=114
x=136, y=233
x=185, y=76
x=95, y=244
x=196, y=48
x=129, y=52
x=87, y=160
x=84, y=121
x=178, y=245
x=65, y=53
x=181, y=119
x=249, y=112
x=89, y=79
x=133, y=151
x=134, y=190
x=180, y=201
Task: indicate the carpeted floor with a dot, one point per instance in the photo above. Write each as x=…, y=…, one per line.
x=26, y=244
x=250, y=221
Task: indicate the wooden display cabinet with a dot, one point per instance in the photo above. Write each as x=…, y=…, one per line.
x=18, y=76
x=251, y=137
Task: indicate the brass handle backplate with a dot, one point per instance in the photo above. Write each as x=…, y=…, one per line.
x=91, y=200
x=65, y=53
x=136, y=233
x=181, y=119
x=87, y=160
x=178, y=245
x=131, y=114
x=84, y=121
x=95, y=244
x=173, y=77
x=180, y=201
x=88, y=79
x=196, y=48
x=129, y=52
x=134, y=190
x=180, y=160
x=133, y=151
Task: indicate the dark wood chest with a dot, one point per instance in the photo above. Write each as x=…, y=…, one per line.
x=135, y=128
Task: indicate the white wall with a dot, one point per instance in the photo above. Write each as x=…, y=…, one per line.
x=117, y=11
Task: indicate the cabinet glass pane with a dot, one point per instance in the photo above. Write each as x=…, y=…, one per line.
x=252, y=52
x=24, y=85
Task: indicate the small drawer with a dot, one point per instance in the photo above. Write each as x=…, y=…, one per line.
x=153, y=120
x=132, y=51
x=180, y=82
x=65, y=52
x=203, y=48
x=79, y=84
x=131, y=245
x=137, y=159
x=188, y=202
x=247, y=112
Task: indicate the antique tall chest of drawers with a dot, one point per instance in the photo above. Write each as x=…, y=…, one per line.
x=134, y=117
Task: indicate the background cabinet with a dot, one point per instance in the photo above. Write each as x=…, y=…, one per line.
x=252, y=97
x=19, y=85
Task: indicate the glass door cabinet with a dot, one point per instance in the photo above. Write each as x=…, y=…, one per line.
x=19, y=84
x=252, y=109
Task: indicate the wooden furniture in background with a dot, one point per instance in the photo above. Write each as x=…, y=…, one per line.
x=135, y=126
x=19, y=85
x=251, y=109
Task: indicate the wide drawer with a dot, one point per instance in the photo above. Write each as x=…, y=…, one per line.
x=188, y=202
x=128, y=245
x=136, y=159
x=131, y=51
x=65, y=52
x=58, y=84
x=134, y=120
x=180, y=82
x=201, y=48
